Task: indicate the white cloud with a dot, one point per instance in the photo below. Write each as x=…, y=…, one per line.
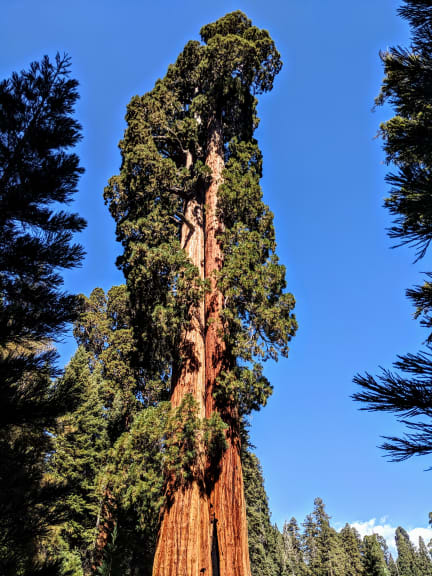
x=415, y=533
x=387, y=531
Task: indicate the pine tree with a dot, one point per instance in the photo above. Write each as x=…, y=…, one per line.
x=351, y=544
x=206, y=288
x=111, y=450
x=384, y=547
x=310, y=543
x=136, y=475
x=80, y=453
x=374, y=563
x=293, y=562
x=424, y=560
x=323, y=551
x=37, y=176
x=330, y=560
x=103, y=330
x=262, y=536
x=392, y=566
x=407, y=556
x=407, y=391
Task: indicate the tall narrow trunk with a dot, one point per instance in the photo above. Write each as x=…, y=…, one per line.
x=183, y=547
x=227, y=502
x=104, y=527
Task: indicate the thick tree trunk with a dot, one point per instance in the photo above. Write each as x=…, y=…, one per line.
x=227, y=503
x=204, y=529
x=183, y=547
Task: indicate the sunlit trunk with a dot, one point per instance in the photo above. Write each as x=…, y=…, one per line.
x=183, y=547
x=204, y=530
x=227, y=503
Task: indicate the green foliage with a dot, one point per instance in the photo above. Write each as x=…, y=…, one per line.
x=423, y=560
x=323, y=551
x=214, y=437
x=137, y=466
x=189, y=439
x=258, y=313
x=104, y=330
x=163, y=165
x=38, y=176
x=109, y=394
x=36, y=172
x=111, y=566
x=406, y=143
x=264, y=553
x=80, y=453
x=244, y=388
x=293, y=561
x=183, y=441
x=407, y=561
x=393, y=570
x=374, y=563
x=351, y=544
x=145, y=201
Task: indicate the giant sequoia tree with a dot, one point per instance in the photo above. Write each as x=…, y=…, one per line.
x=407, y=140
x=206, y=288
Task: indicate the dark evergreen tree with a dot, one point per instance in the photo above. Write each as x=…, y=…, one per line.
x=293, y=561
x=374, y=563
x=37, y=176
x=104, y=330
x=323, y=550
x=80, y=454
x=384, y=547
x=310, y=543
x=407, y=561
x=424, y=560
x=351, y=544
x=262, y=536
x=136, y=475
x=330, y=552
x=116, y=451
x=392, y=566
x=407, y=391
x=127, y=481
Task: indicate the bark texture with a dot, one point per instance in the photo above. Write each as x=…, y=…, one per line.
x=204, y=528
x=183, y=547
x=227, y=503
x=104, y=527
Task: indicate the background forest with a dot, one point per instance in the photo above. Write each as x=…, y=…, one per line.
x=86, y=451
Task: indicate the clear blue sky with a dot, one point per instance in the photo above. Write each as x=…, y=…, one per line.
x=324, y=180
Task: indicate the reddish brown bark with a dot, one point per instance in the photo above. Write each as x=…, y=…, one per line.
x=204, y=528
x=183, y=547
x=228, y=509
x=104, y=527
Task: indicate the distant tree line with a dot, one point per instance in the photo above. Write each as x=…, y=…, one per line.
x=316, y=549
